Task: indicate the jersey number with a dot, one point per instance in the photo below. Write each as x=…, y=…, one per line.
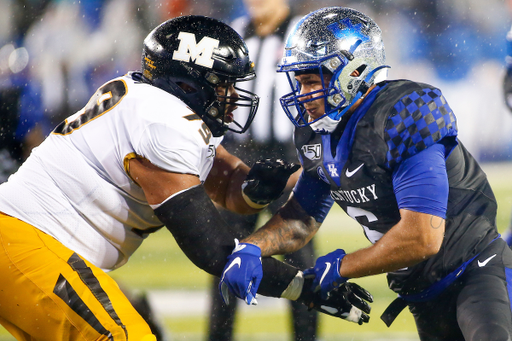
x=355, y=212
x=204, y=131
x=104, y=99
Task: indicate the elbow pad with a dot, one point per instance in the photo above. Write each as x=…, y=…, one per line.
x=207, y=240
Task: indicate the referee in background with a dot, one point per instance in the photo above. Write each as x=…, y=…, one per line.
x=270, y=136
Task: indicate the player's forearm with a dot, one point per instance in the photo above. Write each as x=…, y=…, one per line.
x=374, y=260
x=277, y=276
x=288, y=231
x=234, y=200
x=224, y=183
x=414, y=239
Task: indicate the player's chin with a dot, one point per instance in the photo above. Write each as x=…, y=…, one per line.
x=314, y=113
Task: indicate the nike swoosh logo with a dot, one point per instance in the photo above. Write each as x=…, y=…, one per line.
x=236, y=261
x=484, y=263
x=239, y=248
x=350, y=173
x=328, y=266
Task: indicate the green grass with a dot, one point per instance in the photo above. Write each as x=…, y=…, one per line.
x=159, y=264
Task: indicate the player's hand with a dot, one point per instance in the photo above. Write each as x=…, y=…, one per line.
x=348, y=302
x=507, y=88
x=242, y=273
x=267, y=180
x=326, y=273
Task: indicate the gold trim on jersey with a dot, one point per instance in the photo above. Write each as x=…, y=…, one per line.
x=106, y=98
x=126, y=164
x=192, y=117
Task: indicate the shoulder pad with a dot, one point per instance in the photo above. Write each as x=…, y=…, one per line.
x=418, y=119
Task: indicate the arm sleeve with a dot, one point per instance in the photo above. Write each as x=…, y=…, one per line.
x=314, y=196
x=421, y=182
x=207, y=240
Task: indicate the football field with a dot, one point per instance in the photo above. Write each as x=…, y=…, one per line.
x=180, y=292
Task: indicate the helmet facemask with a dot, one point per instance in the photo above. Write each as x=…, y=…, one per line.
x=334, y=99
x=217, y=111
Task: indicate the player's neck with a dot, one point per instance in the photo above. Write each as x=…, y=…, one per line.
x=360, y=100
x=267, y=25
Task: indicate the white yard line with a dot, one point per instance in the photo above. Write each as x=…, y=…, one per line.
x=167, y=303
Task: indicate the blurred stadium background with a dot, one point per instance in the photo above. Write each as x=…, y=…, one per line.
x=59, y=51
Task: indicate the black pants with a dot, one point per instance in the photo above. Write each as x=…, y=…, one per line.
x=222, y=316
x=476, y=307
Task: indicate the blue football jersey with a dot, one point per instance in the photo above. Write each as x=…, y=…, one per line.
x=398, y=120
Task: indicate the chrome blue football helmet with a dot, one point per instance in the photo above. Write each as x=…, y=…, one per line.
x=338, y=41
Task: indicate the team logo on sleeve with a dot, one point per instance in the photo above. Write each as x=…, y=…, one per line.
x=333, y=170
x=200, y=53
x=312, y=151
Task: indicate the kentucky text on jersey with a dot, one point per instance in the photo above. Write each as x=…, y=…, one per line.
x=358, y=195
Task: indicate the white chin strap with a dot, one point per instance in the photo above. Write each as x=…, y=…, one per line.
x=325, y=125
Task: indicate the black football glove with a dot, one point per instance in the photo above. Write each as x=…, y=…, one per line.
x=507, y=88
x=267, y=180
x=348, y=302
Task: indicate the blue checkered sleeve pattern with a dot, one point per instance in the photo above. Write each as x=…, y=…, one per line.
x=417, y=121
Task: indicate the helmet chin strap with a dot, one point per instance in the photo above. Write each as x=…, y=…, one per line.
x=327, y=125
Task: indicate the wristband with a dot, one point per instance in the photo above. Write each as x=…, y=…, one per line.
x=251, y=203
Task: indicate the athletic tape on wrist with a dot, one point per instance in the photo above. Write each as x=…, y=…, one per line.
x=252, y=203
x=294, y=289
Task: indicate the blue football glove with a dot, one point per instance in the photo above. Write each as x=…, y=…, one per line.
x=326, y=273
x=242, y=273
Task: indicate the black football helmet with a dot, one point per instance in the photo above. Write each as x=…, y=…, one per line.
x=189, y=57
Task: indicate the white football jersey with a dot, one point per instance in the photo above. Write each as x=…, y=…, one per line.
x=75, y=186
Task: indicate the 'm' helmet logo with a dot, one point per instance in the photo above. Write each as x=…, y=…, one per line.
x=200, y=53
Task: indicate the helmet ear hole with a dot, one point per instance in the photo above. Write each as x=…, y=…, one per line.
x=187, y=88
x=359, y=71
